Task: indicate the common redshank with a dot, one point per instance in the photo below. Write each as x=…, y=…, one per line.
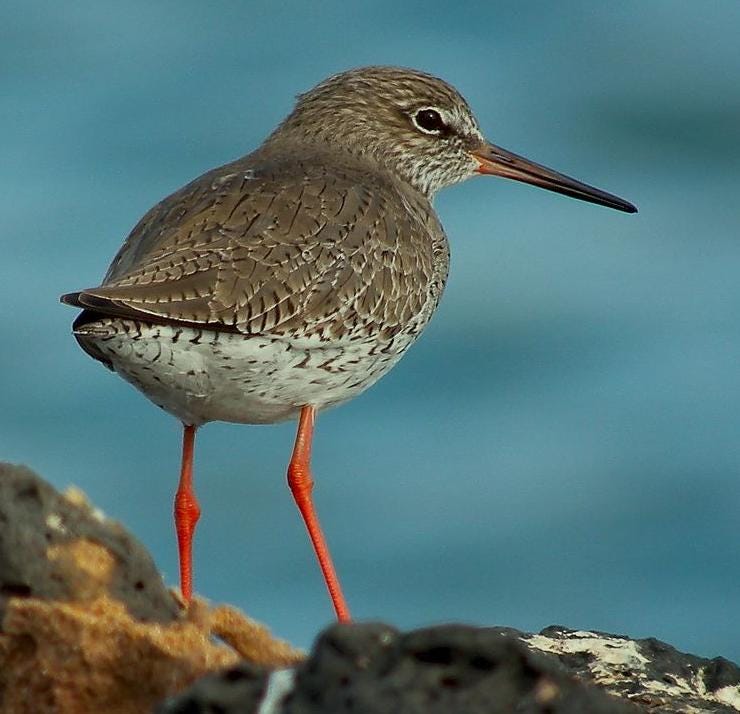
x=292, y=279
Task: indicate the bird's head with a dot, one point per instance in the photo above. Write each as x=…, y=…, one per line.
x=417, y=126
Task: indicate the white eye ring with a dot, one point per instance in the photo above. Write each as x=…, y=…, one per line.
x=429, y=121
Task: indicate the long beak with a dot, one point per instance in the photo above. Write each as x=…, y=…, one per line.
x=500, y=162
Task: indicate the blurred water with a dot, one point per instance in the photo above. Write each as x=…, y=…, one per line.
x=562, y=444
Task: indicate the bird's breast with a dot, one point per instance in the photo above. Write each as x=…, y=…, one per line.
x=202, y=375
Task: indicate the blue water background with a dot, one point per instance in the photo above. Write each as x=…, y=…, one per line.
x=562, y=445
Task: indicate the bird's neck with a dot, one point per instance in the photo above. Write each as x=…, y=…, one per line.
x=356, y=155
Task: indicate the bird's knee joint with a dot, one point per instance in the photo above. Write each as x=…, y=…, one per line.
x=299, y=478
x=186, y=507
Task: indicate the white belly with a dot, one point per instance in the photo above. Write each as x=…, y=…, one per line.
x=199, y=375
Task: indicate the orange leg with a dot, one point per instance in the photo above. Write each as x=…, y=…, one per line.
x=301, y=484
x=187, y=512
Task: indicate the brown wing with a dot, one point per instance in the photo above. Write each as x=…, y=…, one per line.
x=276, y=248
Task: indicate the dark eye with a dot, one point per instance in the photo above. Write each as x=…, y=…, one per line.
x=429, y=121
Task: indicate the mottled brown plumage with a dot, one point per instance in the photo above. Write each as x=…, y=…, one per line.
x=295, y=277
x=315, y=232
x=283, y=245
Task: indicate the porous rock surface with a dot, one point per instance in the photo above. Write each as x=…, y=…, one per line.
x=87, y=625
x=40, y=530
x=374, y=669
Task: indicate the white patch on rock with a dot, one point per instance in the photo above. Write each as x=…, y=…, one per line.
x=77, y=497
x=280, y=684
x=54, y=522
x=730, y=696
x=617, y=661
x=611, y=655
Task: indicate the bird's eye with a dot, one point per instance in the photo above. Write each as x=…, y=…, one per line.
x=429, y=121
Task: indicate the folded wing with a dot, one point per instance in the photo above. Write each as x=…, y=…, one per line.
x=269, y=250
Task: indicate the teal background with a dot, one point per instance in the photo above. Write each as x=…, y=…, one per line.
x=562, y=444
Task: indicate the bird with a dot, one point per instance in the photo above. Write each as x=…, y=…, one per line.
x=292, y=279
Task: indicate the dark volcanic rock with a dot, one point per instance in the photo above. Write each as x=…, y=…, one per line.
x=455, y=669
x=39, y=526
x=373, y=669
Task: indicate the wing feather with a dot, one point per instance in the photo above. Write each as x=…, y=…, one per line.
x=274, y=248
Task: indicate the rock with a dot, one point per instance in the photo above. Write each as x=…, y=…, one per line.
x=373, y=669
x=87, y=624
x=45, y=537
x=648, y=671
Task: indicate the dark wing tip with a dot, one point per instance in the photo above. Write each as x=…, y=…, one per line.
x=71, y=299
x=85, y=299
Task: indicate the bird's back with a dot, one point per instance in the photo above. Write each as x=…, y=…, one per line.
x=282, y=245
x=331, y=260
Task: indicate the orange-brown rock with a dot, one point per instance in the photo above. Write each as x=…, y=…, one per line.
x=77, y=635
